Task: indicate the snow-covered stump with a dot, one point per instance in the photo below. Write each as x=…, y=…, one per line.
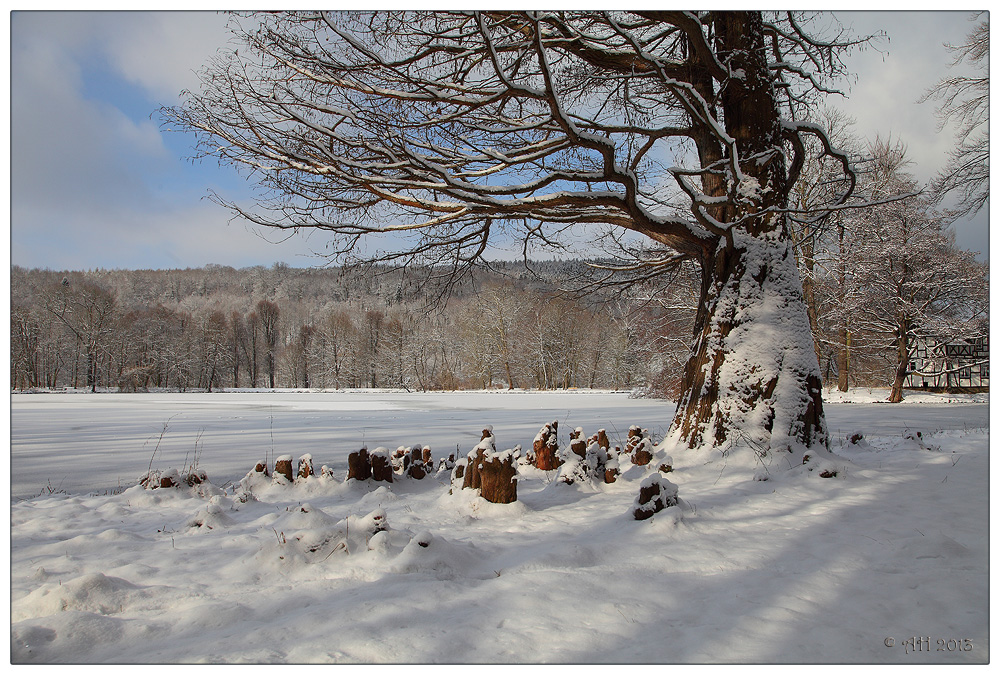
x=401, y=460
x=584, y=461
x=283, y=467
x=169, y=479
x=261, y=468
x=472, y=479
x=447, y=465
x=602, y=439
x=418, y=469
x=498, y=476
x=639, y=446
x=381, y=465
x=545, y=448
x=458, y=471
x=611, y=470
x=359, y=466
x=666, y=465
x=577, y=443
x=195, y=477
x=655, y=494
x=305, y=466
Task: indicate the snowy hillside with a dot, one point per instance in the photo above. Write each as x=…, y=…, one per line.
x=886, y=562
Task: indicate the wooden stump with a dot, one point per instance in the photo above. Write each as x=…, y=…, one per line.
x=417, y=470
x=472, y=479
x=655, y=494
x=359, y=466
x=169, y=479
x=643, y=455
x=381, y=467
x=602, y=439
x=545, y=449
x=305, y=466
x=196, y=477
x=639, y=446
x=579, y=447
x=401, y=459
x=283, y=467
x=498, y=477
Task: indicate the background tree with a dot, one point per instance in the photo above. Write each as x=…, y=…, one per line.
x=87, y=309
x=452, y=128
x=907, y=277
x=268, y=313
x=966, y=102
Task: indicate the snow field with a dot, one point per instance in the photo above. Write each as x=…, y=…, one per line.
x=795, y=568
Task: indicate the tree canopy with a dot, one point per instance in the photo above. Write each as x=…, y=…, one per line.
x=454, y=127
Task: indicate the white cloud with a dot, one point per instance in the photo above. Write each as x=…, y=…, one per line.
x=889, y=85
x=67, y=146
x=162, y=51
x=115, y=236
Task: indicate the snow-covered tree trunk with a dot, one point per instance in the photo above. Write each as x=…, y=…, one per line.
x=753, y=378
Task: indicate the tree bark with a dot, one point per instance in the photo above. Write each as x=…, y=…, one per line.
x=902, y=365
x=843, y=360
x=753, y=378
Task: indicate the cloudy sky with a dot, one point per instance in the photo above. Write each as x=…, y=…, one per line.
x=96, y=183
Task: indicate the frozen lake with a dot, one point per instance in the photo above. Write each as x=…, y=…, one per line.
x=81, y=442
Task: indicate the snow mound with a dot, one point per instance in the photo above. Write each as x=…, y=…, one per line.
x=209, y=518
x=66, y=634
x=94, y=593
x=442, y=559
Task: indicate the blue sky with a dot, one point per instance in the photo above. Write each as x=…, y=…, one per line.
x=96, y=183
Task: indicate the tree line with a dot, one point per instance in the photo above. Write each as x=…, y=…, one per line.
x=218, y=327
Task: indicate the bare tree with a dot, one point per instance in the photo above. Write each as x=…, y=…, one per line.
x=448, y=129
x=907, y=277
x=88, y=311
x=966, y=102
x=236, y=339
x=339, y=332
x=268, y=313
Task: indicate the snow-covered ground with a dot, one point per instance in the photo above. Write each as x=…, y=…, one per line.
x=886, y=562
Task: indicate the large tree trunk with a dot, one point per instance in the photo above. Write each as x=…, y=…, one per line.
x=753, y=379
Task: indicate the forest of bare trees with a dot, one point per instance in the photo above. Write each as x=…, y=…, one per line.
x=219, y=327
